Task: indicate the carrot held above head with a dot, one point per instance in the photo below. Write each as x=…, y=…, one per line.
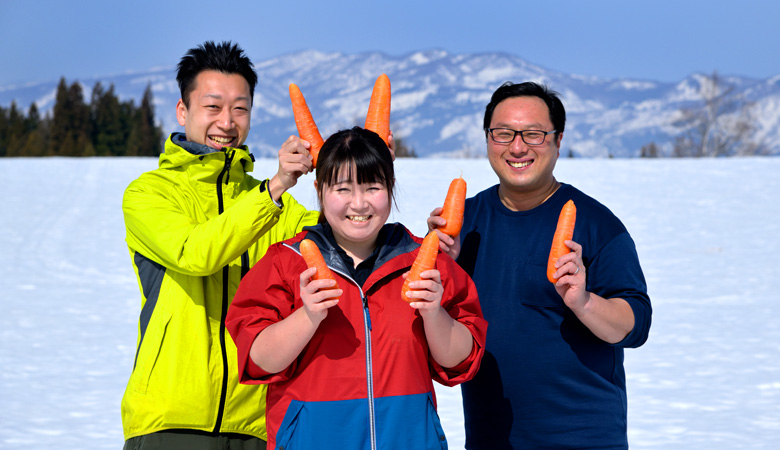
x=454, y=204
x=563, y=232
x=307, y=129
x=378, y=117
x=311, y=254
x=425, y=260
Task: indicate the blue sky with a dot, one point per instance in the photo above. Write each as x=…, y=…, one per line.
x=660, y=40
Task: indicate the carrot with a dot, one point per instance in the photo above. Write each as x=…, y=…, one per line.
x=454, y=204
x=563, y=232
x=307, y=129
x=311, y=254
x=378, y=117
x=425, y=260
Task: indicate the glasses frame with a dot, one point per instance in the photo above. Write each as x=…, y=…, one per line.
x=521, y=133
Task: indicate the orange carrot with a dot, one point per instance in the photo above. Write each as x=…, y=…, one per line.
x=454, y=204
x=378, y=117
x=563, y=232
x=307, y=129
x=311, y=254
x=425, y=260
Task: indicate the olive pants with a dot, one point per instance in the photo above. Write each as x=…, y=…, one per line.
x=194, y=440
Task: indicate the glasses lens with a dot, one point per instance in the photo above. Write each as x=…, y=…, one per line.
x=533, y=137
x=502, y=135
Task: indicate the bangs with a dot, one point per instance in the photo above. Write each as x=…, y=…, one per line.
x=356, y=160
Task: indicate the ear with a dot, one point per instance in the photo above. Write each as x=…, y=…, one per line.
x=181, y=112
x=558, y=139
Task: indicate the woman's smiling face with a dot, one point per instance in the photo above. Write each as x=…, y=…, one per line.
x=355, y=211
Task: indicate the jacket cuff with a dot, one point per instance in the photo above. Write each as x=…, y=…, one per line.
x=264, y=188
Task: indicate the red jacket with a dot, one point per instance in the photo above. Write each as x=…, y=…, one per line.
x=365, y=378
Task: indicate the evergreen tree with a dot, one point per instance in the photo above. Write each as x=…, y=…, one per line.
x=145, y=137
x=35, y=144
x=33, y=120
x=3, y=131
x=16, y=131
x=109, y=133
x=71, y=127
x=60, y=119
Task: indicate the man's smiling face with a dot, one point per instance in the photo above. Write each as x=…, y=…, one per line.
x=219, y=111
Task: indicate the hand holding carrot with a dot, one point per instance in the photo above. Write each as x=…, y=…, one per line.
x=425, y=261
x=447, y=244
x=294, y=161
x=565, y=268
x=319, y=289
x=564, y=231
x=426, y=293
x=572, y=278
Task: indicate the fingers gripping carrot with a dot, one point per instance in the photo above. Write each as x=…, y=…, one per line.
x=425, y=260
x=311, y=254
x=307, y=129
x=454, y=204
x=563, y=232
x=378, y=117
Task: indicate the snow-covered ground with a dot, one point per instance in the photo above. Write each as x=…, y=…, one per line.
x=707, y=231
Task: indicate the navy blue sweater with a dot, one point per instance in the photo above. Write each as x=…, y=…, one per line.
x=546, y=381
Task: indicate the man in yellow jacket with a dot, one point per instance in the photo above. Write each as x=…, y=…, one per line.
x=194, y=227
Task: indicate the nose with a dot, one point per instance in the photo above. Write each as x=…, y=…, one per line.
x=225, y=119
x=358, y=200
x=518, y=146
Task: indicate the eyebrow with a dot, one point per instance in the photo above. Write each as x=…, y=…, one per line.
x=219, y=97
x=528, y=126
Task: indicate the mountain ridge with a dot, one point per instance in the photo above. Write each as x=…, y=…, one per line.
x=439, y=99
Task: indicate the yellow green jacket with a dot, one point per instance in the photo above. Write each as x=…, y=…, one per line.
x=194, y=226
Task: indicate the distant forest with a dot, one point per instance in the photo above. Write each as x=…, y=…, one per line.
x=103, y=127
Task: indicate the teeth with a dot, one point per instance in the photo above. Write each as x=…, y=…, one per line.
x=358, y=218
x=518, y=165
x=220, y=140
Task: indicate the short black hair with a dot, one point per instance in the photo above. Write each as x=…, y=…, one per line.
x=225, y=57
x=528, y=89
x=365, y=154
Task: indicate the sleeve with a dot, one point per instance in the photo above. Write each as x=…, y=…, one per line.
x=266, y=295
x=615, y=272
x=160, y=229
x=295, y=216
x=460, y=300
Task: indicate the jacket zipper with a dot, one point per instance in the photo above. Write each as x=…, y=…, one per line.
x=369, y=357
x=369, y=361
x=369, y=370
x=225, y=283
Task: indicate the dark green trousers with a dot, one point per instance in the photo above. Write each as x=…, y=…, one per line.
x=194, y=440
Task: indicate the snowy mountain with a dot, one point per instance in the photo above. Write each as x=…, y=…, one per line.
x=439, y=100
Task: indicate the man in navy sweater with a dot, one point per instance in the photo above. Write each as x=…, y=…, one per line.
x=552, y=375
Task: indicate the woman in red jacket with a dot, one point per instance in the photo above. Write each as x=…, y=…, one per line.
x=355, y=372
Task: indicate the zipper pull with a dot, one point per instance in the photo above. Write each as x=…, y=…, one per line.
x=228, y=161
x=368, y=316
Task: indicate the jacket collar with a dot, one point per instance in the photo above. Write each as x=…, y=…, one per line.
x=203, y=162
x=396, y=240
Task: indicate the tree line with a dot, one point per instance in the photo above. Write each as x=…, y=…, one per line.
x=105, y=126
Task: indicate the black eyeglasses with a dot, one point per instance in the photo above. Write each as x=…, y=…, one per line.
x=507, y=135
